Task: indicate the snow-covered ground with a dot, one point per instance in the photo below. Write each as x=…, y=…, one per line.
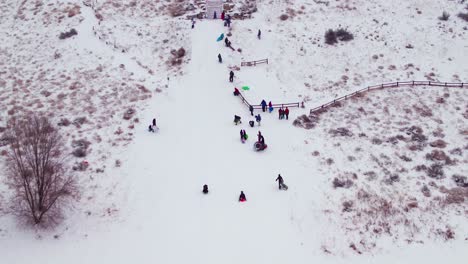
x=151, y=209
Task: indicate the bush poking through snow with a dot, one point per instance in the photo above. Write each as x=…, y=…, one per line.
x=445, y=16
x=129, y=114
x=435, y=171
x=68, y=34
x=343, y=35
x=463, y=16
x=460, y=180
x=284, y=17
x=330, y=37
x=41, y=184
x=342, y=183
x=64, y=122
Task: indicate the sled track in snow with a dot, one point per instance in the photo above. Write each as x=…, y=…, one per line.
x=386, y=85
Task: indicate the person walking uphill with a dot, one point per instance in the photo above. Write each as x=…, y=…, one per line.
x=259, y=34
x=280, y=181
x=231, y=76
x=264, y=105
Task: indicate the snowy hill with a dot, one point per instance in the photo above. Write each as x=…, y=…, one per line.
x=371, y=182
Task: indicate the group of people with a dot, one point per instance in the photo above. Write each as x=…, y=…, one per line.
x=282, y=113
x=243, y=198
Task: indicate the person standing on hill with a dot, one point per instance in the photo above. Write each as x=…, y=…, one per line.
x=251, y=110
x=280, y=181
x=226, y=41
x=258, y=118
x=259, y=34
x=220, y=59
x=205, y=189
x=286, y=113
x=264, y=104
x=280, y=113
x=231, y=76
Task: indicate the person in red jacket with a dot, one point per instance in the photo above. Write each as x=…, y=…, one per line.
x=286, y=113
x=222, y=15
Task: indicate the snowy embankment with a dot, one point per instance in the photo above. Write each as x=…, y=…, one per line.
x=151, y=209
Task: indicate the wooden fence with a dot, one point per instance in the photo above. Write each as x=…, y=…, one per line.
x=388, y=85
x=273, y=105
x=254, y=63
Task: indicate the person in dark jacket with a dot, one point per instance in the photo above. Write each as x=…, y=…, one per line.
x=205, y=189
x=226, y=40
x=280, y=181
x=264, y=105
x=259, y=34
x=154, y=122
x=242, y=135
x=251, y=123
x=259, y=135
x=280, y=113
x=236, y=91
x=228, y=20
x=251, y=110
x=258, y=118
x=242, y=197
x=286, y=113
x=237, y=119
x=150, y=128
x=220, y=59
x=231, y=76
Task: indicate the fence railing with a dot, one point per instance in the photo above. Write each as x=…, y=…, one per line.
x=254, y=63
x=273, y=105
x=388, y=85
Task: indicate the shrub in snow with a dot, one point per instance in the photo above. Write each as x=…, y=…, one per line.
x=438, y=144
x=41, y=184
x=284, y=17
x=435, y=171
x=80, y=148
x=342, y=183
x=344, y=35
x=463, y=16
x=64, y=122
x=341, y=131
x=348, y=206
x=425, y=190
x=68, y=34
x=445, y=16
x=330, y=37
x=79, y=152
x=129, y=114
x=176, y=9
x=460, y=180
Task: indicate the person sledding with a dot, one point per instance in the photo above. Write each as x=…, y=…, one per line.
x=264, y=105
x=236, y=91
x=260, y=144
x=258, y=118
x=237, y=119
x=205, y=189
x=242, y=197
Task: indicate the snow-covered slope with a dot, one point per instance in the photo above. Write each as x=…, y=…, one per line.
x=151, y=209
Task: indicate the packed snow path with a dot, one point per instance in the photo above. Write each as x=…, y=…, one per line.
x=199, y=144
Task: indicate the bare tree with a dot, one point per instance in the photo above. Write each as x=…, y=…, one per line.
x=36, y=170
